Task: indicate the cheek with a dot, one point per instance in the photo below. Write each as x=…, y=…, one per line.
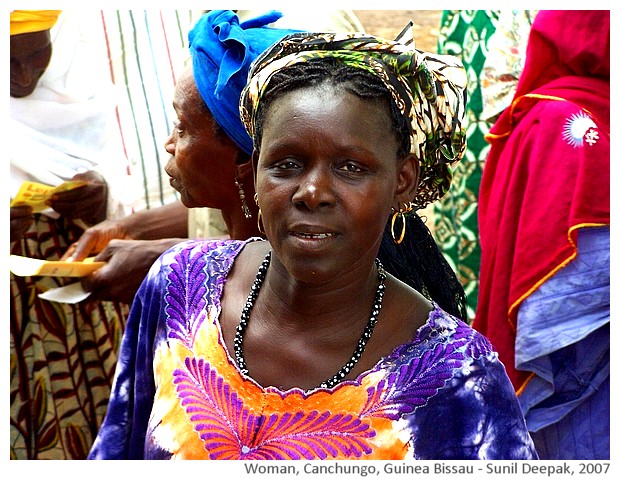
x=366, y=213
x=189, y=157
x=273, y=198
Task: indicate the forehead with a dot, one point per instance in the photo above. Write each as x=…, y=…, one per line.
x=186, y=95
x=326, y=99
x=25, y=44
x=329, y=118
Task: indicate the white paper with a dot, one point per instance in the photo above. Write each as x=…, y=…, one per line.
x=72, y=293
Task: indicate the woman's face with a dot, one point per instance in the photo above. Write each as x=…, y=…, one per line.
x=202, y=162
x=30, y=56
x=327, y=176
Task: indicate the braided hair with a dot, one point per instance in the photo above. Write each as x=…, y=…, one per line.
x=417, y=261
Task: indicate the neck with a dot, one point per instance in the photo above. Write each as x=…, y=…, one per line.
x=326, y=307
x=239, y=227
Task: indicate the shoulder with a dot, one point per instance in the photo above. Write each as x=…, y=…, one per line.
x=441, y=327
x=190, y=259
x=444, y=353
x=192, y=251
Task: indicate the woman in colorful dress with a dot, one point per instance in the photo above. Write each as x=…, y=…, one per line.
x=302, y=346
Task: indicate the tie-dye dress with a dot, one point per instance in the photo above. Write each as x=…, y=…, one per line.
x=179, y=395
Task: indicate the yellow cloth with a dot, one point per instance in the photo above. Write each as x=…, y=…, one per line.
x=29, y=21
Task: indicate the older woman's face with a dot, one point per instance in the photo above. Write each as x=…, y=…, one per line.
x=327, y=177
x=30, y=56
x=202, y=162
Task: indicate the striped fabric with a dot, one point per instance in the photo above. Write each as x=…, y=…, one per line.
x=147, y=50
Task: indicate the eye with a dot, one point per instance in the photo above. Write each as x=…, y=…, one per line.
x=351, y=167
x=177, y=126
x=286, y=165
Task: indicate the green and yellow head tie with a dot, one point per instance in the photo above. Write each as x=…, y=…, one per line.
x=429, y=90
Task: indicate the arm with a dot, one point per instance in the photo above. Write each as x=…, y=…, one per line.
x=167, y=221
x=122, y=433
x=128, y=263
x=130, y=246
x=475, y=416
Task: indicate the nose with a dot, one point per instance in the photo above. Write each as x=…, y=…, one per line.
x=21, y=74
x=316, y=189
x=170, y=144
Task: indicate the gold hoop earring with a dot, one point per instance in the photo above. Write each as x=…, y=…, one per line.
x=400, y=214
x=407, y=207
x=260, y=230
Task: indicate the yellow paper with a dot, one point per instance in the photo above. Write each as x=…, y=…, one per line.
x=37, y=194
x=27, y=267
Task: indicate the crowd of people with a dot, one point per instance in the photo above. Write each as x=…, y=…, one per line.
x=292, y=303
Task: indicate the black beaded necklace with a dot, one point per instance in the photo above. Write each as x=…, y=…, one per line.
x=361, y=344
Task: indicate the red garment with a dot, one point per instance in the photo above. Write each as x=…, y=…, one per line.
x=547, y=173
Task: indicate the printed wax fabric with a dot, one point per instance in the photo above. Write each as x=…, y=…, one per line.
x=179, y=395
x=63, y=356
x=465, y=34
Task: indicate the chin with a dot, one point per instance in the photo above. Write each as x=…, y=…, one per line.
x=21, y=93
x=188, y=202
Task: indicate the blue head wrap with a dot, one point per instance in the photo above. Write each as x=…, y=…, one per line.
x=222, y=51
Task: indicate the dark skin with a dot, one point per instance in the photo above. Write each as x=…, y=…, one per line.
x=87, y=202
x=21, y=219
x=204, y=161
x=30, y=57
x=130, y=245
x=323, y=155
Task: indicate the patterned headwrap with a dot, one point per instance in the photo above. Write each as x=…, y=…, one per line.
x=30, y=21
x=222, y=51
x=429, y=90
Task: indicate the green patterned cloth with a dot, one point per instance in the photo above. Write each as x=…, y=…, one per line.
x=465, y=34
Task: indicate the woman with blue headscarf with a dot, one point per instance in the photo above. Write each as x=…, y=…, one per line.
x=209, y=157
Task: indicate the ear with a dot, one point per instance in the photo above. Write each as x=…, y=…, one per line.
x=244, y=168
x=408, y=177
x=255, y=156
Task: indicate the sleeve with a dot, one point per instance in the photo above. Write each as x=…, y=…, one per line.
x=122, y=433
x=476, y=416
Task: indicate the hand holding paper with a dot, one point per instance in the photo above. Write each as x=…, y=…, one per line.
x=37, y=195
x=25, y=267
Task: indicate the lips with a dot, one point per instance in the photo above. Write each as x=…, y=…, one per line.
x=174, y=183
x=317, y=236
x=312, y=232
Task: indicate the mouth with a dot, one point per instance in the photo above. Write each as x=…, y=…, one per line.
x=313, y=236
x=174, y=183
x=312, y=232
